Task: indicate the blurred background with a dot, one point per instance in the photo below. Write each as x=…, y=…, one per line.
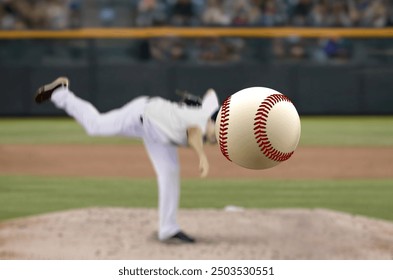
x=330, y=57
x=322, y=73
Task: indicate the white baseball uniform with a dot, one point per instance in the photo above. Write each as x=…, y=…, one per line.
x=161, y=124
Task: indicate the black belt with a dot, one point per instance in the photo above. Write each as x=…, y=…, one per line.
x=141, y=119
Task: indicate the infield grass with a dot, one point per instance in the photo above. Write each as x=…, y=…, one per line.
x=347, y=131
x=29, y=195
x=50, y=131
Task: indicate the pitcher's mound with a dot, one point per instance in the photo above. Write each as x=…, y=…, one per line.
x=116, y=233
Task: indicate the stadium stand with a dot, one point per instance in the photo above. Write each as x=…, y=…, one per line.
x=72, y=14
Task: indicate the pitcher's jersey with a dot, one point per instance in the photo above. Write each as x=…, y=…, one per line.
x=173, y=118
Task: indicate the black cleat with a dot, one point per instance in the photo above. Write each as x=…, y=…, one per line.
x=45, y=92
x=180, y=238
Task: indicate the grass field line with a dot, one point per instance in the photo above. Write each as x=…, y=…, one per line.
x=31, y=195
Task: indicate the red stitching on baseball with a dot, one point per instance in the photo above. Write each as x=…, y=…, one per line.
x=260, y=128
x=223, y=133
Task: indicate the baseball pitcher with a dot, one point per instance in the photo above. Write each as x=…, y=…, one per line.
x=162, y=125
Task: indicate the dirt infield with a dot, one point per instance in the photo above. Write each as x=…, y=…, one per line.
x=117, y=233
x=132, y=161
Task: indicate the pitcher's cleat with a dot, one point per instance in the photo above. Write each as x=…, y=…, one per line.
x=180, y=238
x=45, y=92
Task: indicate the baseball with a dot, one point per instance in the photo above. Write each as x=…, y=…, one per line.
x=257, y=128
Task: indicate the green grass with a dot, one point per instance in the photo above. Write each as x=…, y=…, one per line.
x=23, y=196
x=347, y=131
x=316, y=131
x=30, y=195
x=50, y=131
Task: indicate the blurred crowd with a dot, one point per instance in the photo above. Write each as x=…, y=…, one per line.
x=39, y=14
x=63, y=14
x=59, y=14
x=318, y=13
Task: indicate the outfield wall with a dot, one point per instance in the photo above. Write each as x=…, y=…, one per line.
x=315, y=89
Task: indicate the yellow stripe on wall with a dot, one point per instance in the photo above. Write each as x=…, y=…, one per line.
x=125, y=33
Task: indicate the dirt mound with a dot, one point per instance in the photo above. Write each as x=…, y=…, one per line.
x=119, y=233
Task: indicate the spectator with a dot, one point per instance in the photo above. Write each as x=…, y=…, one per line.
x=339, y=15
x=107, y=14
x=214, y=14
x=337, y=49
x=255, y=13
x=390, y=15
x=56, y=14
x=150, y=13
x=168, y=49
x=75, y=13
x=301, y=12
x=354, y=13
x=319, y=16
x=292, y=48
x=246, y=13
x=8, y=15
x=183, y=13
x=376, y=14
x=240, y=17
x=361, y=5
x=273, y=13
x=28, y=15
x=218, y=50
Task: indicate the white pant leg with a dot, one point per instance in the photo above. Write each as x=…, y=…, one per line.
x=166, y=165
x=124, y=121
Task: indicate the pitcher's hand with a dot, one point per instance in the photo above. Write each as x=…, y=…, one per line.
x=203, y=166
